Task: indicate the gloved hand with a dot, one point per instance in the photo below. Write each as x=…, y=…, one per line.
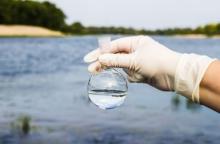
x=147, y=61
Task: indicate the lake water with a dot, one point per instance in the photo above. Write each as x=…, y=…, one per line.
x=45, y=79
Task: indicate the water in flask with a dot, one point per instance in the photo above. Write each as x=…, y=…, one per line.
x=107, y=89
x=107, y=99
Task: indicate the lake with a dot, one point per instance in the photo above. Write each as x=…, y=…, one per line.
x=43, y=98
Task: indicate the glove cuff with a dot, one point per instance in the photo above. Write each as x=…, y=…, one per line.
x=189, y=73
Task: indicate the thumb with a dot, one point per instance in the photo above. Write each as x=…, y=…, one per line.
x=115, y=60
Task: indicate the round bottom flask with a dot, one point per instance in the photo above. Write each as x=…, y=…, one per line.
x=107, y=89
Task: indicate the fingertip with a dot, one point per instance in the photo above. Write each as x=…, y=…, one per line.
x=92, y=56
x=95, y=68
x=86, y=59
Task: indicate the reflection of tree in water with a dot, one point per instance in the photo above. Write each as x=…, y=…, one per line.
x=177, y=102
x=22, y=125
x=192, y=106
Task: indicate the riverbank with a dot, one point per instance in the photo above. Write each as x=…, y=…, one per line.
x=36, y=31
x=27, y=31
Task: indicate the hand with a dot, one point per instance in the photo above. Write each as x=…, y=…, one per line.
x=147, y=61
x=143, y=59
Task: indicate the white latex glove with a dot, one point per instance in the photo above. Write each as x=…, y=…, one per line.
x=147, y=61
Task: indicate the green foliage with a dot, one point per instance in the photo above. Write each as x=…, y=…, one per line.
x=30, y=12
x=78, y=28
x=210, y=29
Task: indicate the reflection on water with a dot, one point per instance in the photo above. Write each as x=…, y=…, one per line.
x=178, y=102
x=22, y=125
x=192, y=106
x=43, y=99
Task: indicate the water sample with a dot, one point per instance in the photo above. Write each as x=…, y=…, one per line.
x=107, y=89
x=106, y=99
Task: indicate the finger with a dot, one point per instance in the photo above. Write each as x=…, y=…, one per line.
x=126, y=45
x=92, y=56
x=115, y=60
x=120, y=45
x=95, y=67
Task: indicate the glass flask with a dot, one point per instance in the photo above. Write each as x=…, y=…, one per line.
x=108, y=89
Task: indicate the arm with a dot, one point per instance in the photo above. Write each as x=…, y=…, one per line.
x=210, y=87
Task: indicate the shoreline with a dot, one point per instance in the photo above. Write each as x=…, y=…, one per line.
x=27, y=31
x=196, y=36
x=16, y=31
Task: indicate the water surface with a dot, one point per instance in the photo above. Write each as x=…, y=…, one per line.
x=45, y=80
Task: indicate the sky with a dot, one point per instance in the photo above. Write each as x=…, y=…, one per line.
x=148, y=14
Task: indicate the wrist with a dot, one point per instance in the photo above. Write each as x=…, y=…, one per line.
x=172, y=60
x=189, y=73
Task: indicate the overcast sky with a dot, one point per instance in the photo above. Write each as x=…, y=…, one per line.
x=149, y=14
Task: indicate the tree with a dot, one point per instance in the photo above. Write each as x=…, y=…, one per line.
x=5, y=13
x=77, y=28
x=31, y=13
x=210, y=29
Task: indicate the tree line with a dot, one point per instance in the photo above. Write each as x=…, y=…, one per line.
x=209, y=30
x=47, y=14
